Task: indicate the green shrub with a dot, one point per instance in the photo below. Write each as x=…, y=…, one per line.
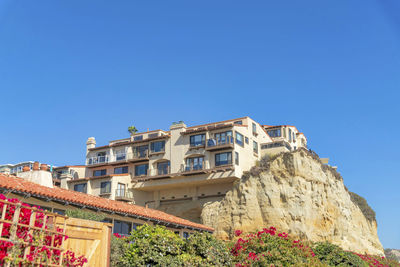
x=333, y=255
x=368, y=212
x=83, y=214
x=154, y=246
x=211, y=251
x=118, y=249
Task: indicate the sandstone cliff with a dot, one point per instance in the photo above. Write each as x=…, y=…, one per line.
x=295, y=192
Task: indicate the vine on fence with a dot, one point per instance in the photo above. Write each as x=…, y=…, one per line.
x=30, y=235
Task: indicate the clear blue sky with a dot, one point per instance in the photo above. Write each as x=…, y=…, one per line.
x=74, y=69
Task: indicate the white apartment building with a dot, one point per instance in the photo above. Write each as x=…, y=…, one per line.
x=179, y=170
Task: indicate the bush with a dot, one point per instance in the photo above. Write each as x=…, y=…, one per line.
x=368, y=212
x=83, y=214
x=333, y=255
x=157, y=246
x=118, y=249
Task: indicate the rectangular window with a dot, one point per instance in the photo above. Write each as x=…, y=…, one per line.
x=239, y=139
x=141, y=151
x=274, y=133
x=122, y=228
x=120, y=154
x=254, y=128
x=81, y=188
x=105, y=187
x=223, y=158
x=224, y=138
x=197, y=140
x=246, y=139
x=99, y=172
x=255, y=147
x=236, y=158
x=107, y=220
x=58, y=211
x=120, y=170
x=238, y=122
x=186, y=235
x=196, y=163
x=102, y=157
x=153, y=135
x=138, y=138
x=141, y=169
x=290, y=135
x=163, y=168
x=157, y=146
x=120, y=190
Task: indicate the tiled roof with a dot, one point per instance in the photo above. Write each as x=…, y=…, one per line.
x=20, y=185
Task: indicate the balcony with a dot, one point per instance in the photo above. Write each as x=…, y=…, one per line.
x=123, y=195
x=219, y=144
x=99, y=160
x=138, y=156
x=193, y=169
x=199, y=144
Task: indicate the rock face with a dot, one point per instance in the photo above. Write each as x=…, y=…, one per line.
x=393, y=253
x=296, y=193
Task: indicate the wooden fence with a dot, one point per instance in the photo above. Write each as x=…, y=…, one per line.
x=89, y=238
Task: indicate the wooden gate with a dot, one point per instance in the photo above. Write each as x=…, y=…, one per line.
x=89, y=238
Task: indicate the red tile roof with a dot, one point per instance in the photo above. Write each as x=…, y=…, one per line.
x=20, y=185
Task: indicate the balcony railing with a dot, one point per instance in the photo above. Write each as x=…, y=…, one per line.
x=190, y=168
x=138, y=155
x=198, y=144
x=97, y=160
x=213, y=144
x=123, y=194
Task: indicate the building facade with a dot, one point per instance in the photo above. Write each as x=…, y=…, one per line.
x=179, y=170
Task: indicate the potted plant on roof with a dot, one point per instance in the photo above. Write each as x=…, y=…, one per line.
x=132, y=129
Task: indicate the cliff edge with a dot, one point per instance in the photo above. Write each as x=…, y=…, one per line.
x=296, y=193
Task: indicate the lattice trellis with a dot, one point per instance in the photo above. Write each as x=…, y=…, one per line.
x=47, y=230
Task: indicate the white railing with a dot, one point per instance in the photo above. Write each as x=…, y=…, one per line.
x=97, y=160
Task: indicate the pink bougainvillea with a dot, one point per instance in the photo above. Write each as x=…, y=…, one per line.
x=41, y=248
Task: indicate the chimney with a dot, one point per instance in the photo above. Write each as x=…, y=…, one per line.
x=90, y=143
x=26, y=168
x=36, y=166
x=43, y=167
x=39, y=175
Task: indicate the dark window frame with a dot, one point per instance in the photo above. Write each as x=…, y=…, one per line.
x=153, y=148
x=221, y=163
x=84, y=187
x=124, y=169
x=102, y=172
x=194, y=143
x=103, y=189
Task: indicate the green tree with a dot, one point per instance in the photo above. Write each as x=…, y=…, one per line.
x=132, y=129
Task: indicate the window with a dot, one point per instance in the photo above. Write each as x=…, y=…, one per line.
x=122, y=228
x=120, y=154
x=105, y=187
x=194, y=163
x=255, y=147
x=61, y=212
x=120, y=190
x=153, y=135
x=81, y=188
x=197, y=140
x=101, y=157
x=107, y=220
x=185, y=235
x=138, y=138
x=246, y=140
x=136, y=225
x=238, y=122
x=99, y=172
x=224, y=138
x=223, y=158
x=254, y=128
x=274, y=133
x=157, y=146
x=141, y=151
x=239, y=139
x=120, y=170
x=141, y=169
x=163, y=167
x=236, y=158
x=290, y=135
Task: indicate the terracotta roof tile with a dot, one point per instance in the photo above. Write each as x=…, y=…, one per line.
x=21, y=185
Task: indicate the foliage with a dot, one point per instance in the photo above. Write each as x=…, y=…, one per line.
x=368, y=212
x=118, y=249
x=83, y=214
x=270, y=248
x=157, y=246
x=153, y=245
x=333, y=255
x=24, y=245
x=212, y=251
x=132, y=129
